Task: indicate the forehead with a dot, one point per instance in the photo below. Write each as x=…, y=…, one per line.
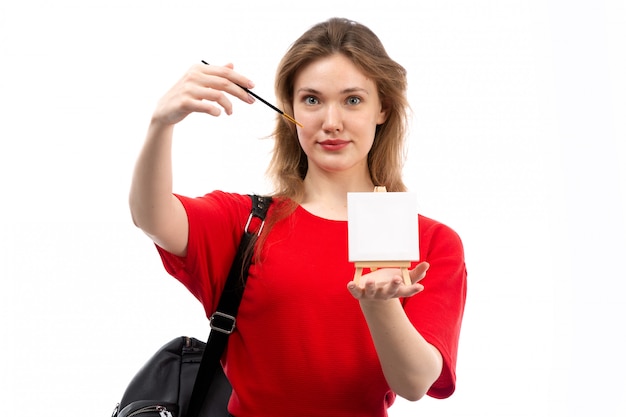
x=334, y=72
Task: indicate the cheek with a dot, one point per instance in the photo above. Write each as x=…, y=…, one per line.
x=368, y=130
x=304, y=137
x=307, y=132
x=306, y=118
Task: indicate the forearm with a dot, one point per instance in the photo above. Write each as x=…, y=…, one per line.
x=150, y=196
x=410, y=364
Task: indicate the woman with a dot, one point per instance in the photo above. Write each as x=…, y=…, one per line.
x=309, y=341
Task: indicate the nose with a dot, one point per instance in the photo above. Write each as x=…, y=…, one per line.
x=333, y=121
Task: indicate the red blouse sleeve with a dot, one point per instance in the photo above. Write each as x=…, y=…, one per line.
x=216, y=223
x=437, y=311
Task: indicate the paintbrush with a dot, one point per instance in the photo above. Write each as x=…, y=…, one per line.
x=285, y=115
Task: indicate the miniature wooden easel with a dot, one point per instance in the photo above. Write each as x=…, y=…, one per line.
x=373, y=265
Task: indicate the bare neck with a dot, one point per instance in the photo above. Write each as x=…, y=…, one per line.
x=326, y=195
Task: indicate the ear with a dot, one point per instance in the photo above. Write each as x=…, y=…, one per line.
x=383, y=114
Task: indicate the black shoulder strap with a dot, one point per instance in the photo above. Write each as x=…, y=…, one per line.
x=224, y=319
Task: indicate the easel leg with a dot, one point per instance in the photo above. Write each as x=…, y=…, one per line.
x=405, y=275
x=357, y=274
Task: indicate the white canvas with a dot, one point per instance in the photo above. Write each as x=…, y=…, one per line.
x=382, y=227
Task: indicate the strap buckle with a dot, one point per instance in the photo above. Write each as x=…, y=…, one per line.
x=258, y=232
x=222, y=322
x=260, y=205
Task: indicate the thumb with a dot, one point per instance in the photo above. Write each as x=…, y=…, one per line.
x=419, y=272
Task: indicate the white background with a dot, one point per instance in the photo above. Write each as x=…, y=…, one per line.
x=518, y=143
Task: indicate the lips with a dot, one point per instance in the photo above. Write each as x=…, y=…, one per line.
x=334, y=144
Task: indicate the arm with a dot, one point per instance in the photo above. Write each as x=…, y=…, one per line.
x=410, y=364
x=153, y=207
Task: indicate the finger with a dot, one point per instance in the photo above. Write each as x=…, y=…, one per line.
x=410, y=291
x=224, y=78
x=370, y=288
x=419, y=272
x=354, y=290
x=227, y=86
x=240, y=79
x=211, y=95
x=207, y=107
x=199, y=99
x=394, y=285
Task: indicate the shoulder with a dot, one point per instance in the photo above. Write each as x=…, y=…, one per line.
x=217, y=203
x=437, y=239
x=217, y=199
x=431, y=228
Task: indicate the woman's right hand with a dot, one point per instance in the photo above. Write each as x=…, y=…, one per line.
x=202, y=89
x=205, y=89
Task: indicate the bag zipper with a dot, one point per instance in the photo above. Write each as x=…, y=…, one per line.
x=151, y=409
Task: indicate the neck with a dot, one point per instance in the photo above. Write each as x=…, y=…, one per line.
x=326, y=194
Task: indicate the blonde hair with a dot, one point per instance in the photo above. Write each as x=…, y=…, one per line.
x=355, y=41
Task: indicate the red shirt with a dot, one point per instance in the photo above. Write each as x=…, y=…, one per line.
x=302, y=346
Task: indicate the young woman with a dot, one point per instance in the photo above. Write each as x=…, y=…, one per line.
x=309, y=341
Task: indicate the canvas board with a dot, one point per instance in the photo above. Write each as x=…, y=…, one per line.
x=382, y=226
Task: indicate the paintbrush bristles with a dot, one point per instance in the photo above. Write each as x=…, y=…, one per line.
x=291, y=119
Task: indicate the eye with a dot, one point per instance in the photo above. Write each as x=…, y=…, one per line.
x=310, y=100
x=353, y=100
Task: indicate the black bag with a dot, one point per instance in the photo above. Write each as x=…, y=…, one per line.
x=163, y=386
x=184, y=378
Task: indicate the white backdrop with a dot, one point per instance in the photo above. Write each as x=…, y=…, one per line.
x=518, y=143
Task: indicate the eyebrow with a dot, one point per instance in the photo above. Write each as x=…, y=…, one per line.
x=344, y=91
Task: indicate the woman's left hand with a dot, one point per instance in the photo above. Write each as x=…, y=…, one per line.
x=387, y=283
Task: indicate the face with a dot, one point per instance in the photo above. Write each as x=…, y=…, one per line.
x=339, y=108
